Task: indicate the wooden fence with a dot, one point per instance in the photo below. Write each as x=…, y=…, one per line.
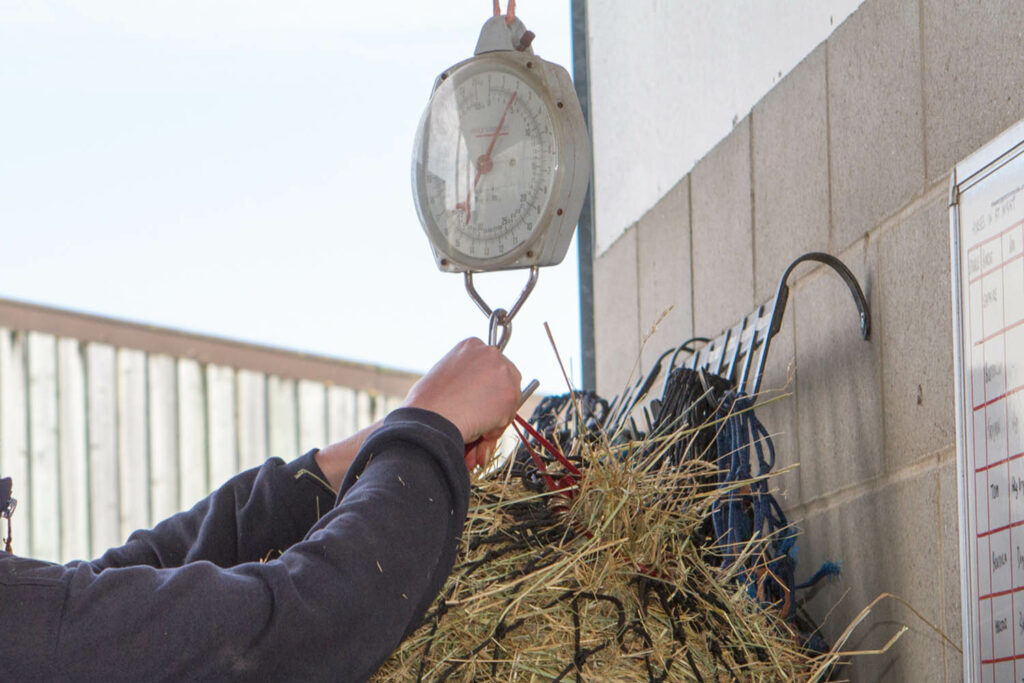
x=107, y=427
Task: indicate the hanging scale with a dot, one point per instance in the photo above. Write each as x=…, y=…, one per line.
x=501, y=163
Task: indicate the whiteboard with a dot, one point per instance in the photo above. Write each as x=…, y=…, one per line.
x=987, y=249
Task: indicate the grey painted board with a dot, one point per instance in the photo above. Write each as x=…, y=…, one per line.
x=364, y=410
x=163, y=437
x=104, y=498
x=44, y=493
x=312, y=415
x=221, y=423
x=380, y=407
x=73, y=451
x=133, y=447
x=282, y=418
x=14, y=412
x=341, y=413
x=192, y=434
x=252, y=418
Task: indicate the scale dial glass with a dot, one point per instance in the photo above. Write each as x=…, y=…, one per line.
x=486, y=164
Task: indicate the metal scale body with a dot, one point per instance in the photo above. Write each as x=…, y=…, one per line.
x=501, y=164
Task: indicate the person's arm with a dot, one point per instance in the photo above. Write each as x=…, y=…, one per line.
x=255, y=515
x=332, y=607
x=258, y=513
x=265, y=510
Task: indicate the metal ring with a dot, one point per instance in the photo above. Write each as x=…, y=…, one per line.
x=499, y=320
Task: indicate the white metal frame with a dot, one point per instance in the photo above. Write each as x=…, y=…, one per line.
x=973, y=170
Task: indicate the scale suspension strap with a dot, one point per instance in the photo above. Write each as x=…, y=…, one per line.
x=510, y=16
x=499, y=319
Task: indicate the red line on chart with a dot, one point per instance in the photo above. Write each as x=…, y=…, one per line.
x=1012, y=525
x=999, y=332
x=999, y=594
x=996, y=236
x=986, y=273
x=1000, y=660
x=1000, y=397
x=997, y=463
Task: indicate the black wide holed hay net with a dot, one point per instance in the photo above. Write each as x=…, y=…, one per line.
x=600, y=552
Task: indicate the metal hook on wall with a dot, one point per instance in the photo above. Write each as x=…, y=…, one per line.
x=782, y=296
x=731, y=355
x=851, y=282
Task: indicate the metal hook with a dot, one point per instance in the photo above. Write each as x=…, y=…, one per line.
x=501, y=320
x=642, y=387
x=851, y=282
x=782, y=295
x=505, y=320
x=685, y=346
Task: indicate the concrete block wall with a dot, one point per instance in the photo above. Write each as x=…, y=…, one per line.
x=850, y=153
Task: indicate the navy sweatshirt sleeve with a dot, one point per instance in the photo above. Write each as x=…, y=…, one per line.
x=331, y=607
x=256, y=515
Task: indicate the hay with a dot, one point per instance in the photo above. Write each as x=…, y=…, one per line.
x=614, y=579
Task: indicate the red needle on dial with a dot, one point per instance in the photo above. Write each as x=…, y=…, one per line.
x=483, y=162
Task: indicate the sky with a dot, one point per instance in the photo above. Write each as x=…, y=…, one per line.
x=242, y=170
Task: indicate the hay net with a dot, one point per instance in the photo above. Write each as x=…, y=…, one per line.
x=624, y=556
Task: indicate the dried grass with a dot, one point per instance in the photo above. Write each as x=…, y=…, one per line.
x=613, y=583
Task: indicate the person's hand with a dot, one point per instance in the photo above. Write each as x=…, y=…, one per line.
x=477, y=389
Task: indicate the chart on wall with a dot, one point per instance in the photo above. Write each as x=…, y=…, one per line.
x=987, y=239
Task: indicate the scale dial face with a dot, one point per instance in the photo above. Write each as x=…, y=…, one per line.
x=486, y=164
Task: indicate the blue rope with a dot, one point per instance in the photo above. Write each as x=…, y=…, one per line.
x=741, y=513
